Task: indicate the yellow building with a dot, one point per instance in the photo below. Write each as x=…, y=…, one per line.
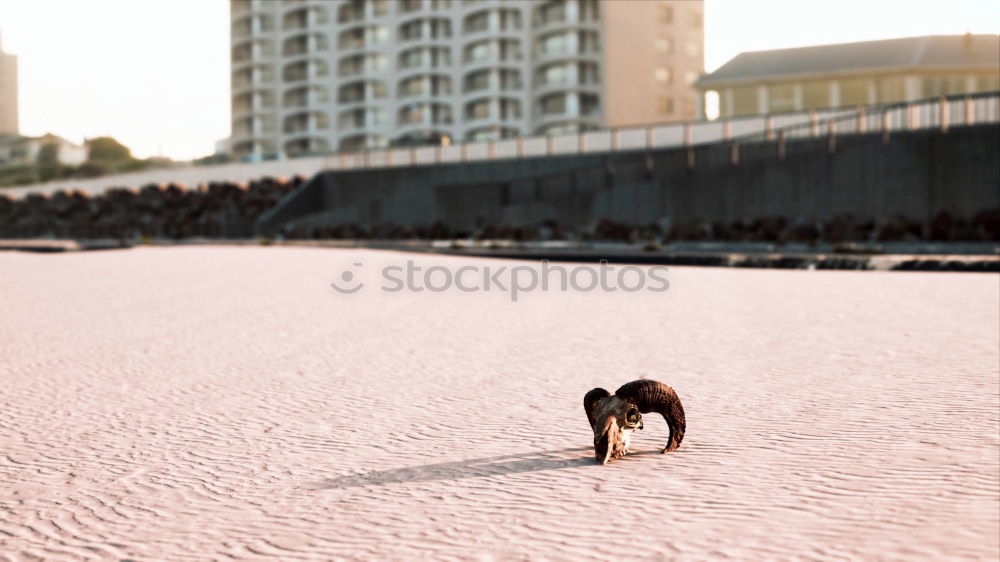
x=850, y=74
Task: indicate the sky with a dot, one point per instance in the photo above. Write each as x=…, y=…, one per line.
x=154, y=74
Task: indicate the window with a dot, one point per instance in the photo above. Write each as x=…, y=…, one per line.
x=744, y=100
x=510, y=20
x=692, y=48
x=689, y=107
x=694, y=19
x=666, y=14
x=891, y=88
x=554, y=12
x=477, y=22
x=411, y=30
x=554, y=104
x=815, y=94
x=943, y=85
x=556, y=43
x=781, y=97
x=663, y=75
x=477, y=110
x=665, y=105
x=690, y=77
x=854, y=91
x=589, y=10
x=587, y=73
x=411, y=58
x=664, y=45
x=588, y=42
x=477, y=81
x=555, y=74
x=477, y=52
x=510, y=50
x=510, y=109
x=510, y=79
x=988, y=83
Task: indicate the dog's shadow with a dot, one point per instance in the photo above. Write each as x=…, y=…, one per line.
x=473, y=468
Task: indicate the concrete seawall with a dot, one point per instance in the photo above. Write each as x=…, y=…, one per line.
x=913, y=175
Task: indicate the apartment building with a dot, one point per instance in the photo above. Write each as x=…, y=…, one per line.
x=311, y=76
x=8, y=94
x=851, y=74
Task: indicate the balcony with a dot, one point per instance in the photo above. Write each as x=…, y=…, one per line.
x=301, y=71
x=304, y=145
x=305, y=96
x=362, y=37
x=305, y=123
x=361, y=92
x=304, y=18
x=360, y=119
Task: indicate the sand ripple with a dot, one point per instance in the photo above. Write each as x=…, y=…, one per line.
x=210, y=403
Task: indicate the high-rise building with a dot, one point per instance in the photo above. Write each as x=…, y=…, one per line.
x=312, y=75
x=8, y=93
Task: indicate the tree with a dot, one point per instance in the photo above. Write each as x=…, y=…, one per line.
x=48, y=155
x=107, y=149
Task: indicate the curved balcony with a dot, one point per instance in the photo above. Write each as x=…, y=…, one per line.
x=360, y=37
x=358, y=93
x=421, y=136
x=361, y=118
x=303, y=45
x=350, y=12
x=312, y=70
x=425, y=29
x=423, y=114
x=544, y=59
x=256, y=77
x=357, y=66
x=304, y=17
x=305, y=123
x=248, y=105
x=352, y=141
x=305, y=144
x=567, y=87
x=430, y=86
x=304, y=96
x=492, y=132
x=546, y=121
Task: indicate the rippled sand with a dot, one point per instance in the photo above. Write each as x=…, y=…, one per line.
x=197, y=403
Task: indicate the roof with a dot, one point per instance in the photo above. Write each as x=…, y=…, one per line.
x=910, y=53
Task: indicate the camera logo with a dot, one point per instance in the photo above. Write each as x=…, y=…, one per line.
x=347, y=277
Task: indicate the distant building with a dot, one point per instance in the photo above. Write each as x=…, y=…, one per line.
x=221, y=147
x=8, y=93
x=314, y=75
x=850, y=74
x=17, y=150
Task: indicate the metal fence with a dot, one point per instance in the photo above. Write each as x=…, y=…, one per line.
x=940, y=113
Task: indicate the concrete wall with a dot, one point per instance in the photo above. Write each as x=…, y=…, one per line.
x=913, y=175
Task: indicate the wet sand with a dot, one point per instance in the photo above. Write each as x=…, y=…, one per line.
x=212, y=402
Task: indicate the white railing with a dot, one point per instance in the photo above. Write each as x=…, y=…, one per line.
x=942, y=113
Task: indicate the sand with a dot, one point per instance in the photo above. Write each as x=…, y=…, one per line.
x=214, y=402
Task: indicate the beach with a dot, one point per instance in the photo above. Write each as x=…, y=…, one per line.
x=227, y=402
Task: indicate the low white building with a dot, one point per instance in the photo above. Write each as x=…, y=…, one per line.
x=18, y=150
x=852, y=74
